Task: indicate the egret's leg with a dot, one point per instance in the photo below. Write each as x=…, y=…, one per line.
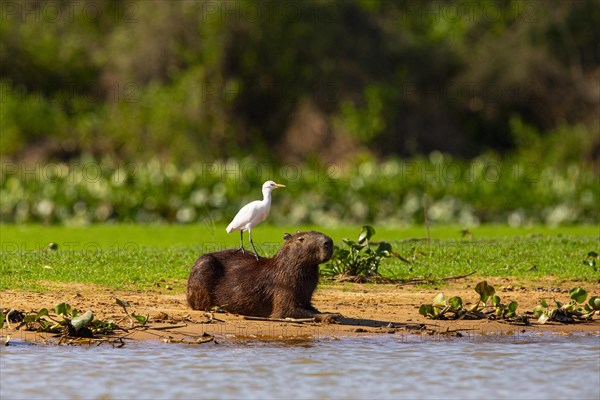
x=241, y=242
x=252, y=243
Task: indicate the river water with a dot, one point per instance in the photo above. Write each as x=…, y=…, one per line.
x=383, y=367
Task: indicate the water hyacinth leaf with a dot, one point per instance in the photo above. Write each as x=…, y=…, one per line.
x=384, y=247
x=48, y=326
x=1, y=320
x=484, y=290
x=140, y=318
x=543, y=318
x=512, y=306
x=122, y=303
x=455, y=302
x=538, y=311
x=569, y=307
x=439, y=300
x=591, y=260
x=30, y=318
x=544, y=303
x=578, y=294
x=81, y=321
x=41, y=313
x=62, y=309
x=341, y=253
x=427, y=310
x=594, y=303
x=495, y=300
x=358, y=246
x=558, y=303
x=353, y=244
x=366, y=233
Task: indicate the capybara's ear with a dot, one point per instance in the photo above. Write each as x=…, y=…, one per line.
x=286, y=236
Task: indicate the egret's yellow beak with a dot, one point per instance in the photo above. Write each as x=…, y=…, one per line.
x=279, y=185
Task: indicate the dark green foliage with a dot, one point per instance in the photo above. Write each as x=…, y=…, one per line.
x=358, y=258
x=571, y=311
x=591, y=259
x=149, y=94
x=139, y=318
x=494, y=309
x=69, y=322
x=484, y=189
x=484, y=291
x=593, y=303
x=220, y=79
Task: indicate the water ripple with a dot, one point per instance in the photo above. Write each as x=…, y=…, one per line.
x=372, y=367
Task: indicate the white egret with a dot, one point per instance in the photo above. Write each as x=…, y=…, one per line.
x=253, y=214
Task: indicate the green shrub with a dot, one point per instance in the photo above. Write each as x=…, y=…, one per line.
x=482, y=190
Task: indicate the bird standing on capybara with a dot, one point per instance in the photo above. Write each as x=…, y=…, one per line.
x=277, y=287
x=253, y=214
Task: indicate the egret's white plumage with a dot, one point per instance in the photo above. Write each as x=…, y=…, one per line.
x=253, y=214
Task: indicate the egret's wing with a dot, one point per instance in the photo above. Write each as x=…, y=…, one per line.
x=248, y=213
x=260, y=215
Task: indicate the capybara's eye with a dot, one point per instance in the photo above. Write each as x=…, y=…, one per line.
x=301, y=239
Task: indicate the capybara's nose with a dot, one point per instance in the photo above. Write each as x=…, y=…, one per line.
x=328, y=243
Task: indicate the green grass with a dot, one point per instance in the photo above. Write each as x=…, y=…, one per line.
x=140, y=256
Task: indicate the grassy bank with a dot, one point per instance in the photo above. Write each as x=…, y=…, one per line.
x=151, y=256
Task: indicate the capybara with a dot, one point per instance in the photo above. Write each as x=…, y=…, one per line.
x=278, y=287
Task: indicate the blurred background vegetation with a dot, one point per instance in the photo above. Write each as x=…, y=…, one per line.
x=176, y=111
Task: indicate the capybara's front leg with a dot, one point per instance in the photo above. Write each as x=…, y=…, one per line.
x=284, y=306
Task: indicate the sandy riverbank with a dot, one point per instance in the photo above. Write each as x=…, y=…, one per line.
x=366, y=309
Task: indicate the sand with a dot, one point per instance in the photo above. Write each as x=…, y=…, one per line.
x=366, y=309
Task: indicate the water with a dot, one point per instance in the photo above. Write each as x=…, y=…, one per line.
x=392, y=366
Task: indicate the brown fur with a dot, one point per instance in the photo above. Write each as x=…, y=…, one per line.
x=277, y=287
